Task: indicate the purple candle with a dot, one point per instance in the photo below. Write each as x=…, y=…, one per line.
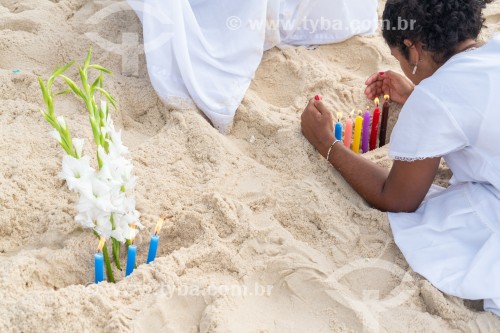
x=365, y=142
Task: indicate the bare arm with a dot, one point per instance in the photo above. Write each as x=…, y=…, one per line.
x=401, y=189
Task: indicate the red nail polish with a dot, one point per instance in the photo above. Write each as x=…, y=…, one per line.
x=317, y=97
x=381, y=73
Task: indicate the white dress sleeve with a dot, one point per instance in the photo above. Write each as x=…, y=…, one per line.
x=426, y=128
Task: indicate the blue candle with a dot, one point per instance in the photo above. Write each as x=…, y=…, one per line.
x=338, y=131
x=365, y=143
x=338, y=127
x=99, y=267
x=132, y=251
x=153, y=246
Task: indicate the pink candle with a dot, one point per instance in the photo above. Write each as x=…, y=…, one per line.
x=348, y=132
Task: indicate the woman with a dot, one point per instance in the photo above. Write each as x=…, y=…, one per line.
x=451, y=110
x=207, y=52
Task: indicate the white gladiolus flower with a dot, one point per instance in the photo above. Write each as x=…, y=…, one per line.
x=103, y=203
x=103, y=226
x=77, y=172
x=85, y=219
x=55, y=134
x=61, y=121
x=116, y=146
x=78, y=144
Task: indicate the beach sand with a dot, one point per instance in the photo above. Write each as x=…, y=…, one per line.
x=262, y=235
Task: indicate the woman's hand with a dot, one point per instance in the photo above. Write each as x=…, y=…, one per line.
x=389, y=83
x=317, y=126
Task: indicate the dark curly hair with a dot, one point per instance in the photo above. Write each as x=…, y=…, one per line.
x=440, y=25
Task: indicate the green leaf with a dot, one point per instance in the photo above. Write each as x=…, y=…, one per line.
x=96, y=84
x=102, y=69
x=108, y=97
x=95, y=129
x=63, y=69
x=51, y=120
x=63, y=92
x=74, y=87
x=87, y=60
x=85, y=84
x=44, y=90
x=56, y=74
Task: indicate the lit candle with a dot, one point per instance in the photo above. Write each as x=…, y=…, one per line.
x=366, y=131
x=383, y=123
x=375, y=122
x=357, y=132
x=348, y=131
x=99, y=262
x=132, y=252
x=338, y=127
x=155, y=238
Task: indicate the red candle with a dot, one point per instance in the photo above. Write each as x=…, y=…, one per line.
x=383, y=123
x=375, y=121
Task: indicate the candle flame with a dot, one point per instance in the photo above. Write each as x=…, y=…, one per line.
x=159, y=224
x=133, y=227
x=377, y=101
x=360, y=112
x=387, y=97
x=352, y=113
x=339, y=116
x=102, y=241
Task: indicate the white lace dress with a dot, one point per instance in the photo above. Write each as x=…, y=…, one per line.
x=207, y=52
x=453, y=239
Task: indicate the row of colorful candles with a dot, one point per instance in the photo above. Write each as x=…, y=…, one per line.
x=363, y=136
x=131, y=253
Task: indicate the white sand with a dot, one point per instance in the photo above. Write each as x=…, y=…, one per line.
x=256, y=208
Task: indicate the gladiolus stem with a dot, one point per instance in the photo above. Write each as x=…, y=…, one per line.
x=109, y=270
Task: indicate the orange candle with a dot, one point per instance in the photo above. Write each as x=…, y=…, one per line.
x=358, y=127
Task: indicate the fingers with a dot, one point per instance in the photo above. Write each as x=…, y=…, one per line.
x=375, y=77
x=375, y=89
x=375, y=84
x=311, y=106
x=392, y=75
x=321, y=107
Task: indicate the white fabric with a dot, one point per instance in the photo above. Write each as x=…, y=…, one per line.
x=210, y=59
x=453, y=239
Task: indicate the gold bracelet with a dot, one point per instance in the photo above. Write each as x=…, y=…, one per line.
x=330, y=150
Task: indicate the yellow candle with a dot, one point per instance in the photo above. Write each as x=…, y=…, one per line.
x=357, y=133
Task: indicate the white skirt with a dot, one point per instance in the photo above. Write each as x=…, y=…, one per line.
x=453, y=240
x=207, y=52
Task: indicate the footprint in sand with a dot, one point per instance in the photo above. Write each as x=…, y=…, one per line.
x=19, y=24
